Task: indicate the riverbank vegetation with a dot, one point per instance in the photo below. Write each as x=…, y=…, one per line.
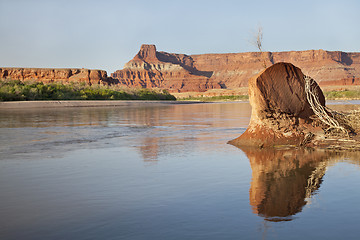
x=342, y=94
x=329, y=95
x=217, y=98
x=16, y=90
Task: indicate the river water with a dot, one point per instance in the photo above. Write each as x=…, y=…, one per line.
x=166, y=172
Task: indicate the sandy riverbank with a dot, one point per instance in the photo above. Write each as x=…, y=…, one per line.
x=103, y=103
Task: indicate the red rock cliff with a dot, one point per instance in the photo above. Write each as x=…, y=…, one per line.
x=327, y=68
x=198, y=73
x=179, y=72
x=175, y=72
x=47, y=75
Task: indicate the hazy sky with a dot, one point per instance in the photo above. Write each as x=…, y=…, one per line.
x=106, y=34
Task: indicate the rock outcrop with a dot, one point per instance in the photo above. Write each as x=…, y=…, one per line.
x=281, y=113
x=198, y=73
x=327, y=67
x=174, y=72
x=48, y=75
x=288, y=108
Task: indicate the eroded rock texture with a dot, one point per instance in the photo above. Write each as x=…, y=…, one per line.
x=326, y=67
x=198, y=73
x=48, y=75
x=281, y=113
x=175, y=72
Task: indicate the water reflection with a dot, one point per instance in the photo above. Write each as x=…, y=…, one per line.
x=283, y=180
x=86, y=189
x=153, y=131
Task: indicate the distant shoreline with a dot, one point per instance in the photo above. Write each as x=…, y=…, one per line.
x=119, y=103
x=87, y=103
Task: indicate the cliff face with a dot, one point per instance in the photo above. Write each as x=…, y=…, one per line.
x=179, y=72
x=198, y=73
x=47, y=75
x=175, y=72
x=327, y=68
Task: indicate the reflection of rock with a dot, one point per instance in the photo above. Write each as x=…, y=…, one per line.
x=150, y=149
x=280, y=110
x=283, y=179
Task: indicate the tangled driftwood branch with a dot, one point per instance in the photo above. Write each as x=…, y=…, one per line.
x=320, y=111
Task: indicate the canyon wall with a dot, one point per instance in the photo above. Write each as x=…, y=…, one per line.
x=198, y=73
x=327, y=68
x=48, y=75
x=174, y=72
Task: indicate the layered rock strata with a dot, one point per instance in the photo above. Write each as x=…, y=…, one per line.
x=328, y=68
x=198, y=73
x=174, y=72
x=48, y=75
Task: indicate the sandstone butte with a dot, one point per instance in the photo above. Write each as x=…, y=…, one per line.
x=286, y=112
x=198, y=73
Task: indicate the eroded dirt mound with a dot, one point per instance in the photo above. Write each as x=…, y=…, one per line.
x=281, y=89
x=288, y=108
x=281, y=113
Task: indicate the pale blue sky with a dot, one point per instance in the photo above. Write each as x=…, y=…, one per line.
x=106, y=34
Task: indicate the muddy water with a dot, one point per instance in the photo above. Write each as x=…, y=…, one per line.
x=166, y=172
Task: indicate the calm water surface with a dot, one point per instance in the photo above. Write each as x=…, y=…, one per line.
x=166, y=172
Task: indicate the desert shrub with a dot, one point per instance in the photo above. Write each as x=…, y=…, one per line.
x=218, y=98
x=343, y=94
x=16, y=90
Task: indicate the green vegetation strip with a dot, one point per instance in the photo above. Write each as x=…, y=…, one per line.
x=16, y=90
x=218, y=98
x=329, y=95
x=343, y=94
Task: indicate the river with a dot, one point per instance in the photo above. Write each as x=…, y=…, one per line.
x=166, y=172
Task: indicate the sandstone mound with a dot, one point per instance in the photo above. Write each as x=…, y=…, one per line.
x=281, y=89
x=288, y=108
